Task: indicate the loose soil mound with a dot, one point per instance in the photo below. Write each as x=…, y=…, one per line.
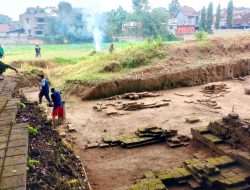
x=188, y=64
x=54, y=165
x=28, y=78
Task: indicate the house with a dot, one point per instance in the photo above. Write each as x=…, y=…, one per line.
x=243, y=22
x=184, y=22
x=34, y=22
x=130, y=27
x=4, y=28
x=241, y=18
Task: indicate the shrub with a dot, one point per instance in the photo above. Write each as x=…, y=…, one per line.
x=142, y=54
x=171, y=37
x=137, y=59
x=112, y=67
x=201, y=36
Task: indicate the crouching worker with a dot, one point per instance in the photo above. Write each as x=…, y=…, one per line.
x=58, y=110
x=3, y=68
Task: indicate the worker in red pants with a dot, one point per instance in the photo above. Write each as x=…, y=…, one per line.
x=58, y=109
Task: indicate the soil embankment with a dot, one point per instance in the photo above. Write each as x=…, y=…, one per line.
x=186, y=65
x=182, y=78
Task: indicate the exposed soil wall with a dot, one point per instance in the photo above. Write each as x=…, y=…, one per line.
x=183, y=78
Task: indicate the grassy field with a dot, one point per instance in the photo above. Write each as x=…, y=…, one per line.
x=76, y=61
x=27, y=52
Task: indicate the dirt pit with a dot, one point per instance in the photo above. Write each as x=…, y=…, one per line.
x=117, y=168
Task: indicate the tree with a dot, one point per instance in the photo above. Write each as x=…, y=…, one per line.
x=210, y=17
x=5, y=19
x=203, y=20
x=174, y=7
x=115, y=19
x=230, y=9
x=140, y=6
x=65, y=10
x=156, y=23
x=218, y=17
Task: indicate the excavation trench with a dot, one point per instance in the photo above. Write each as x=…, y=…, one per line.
x=183, y=78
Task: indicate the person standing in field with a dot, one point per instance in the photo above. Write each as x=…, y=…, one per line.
x=58, y=110
x=44, y=90
x=38, y=51
x=111, y=48
x=1, y=52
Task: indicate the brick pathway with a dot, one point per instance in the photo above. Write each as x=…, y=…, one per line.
x=13, y=141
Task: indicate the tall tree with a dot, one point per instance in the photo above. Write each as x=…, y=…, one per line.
x=115, y=20
x=174, y=7
x=230, y=9
x=65, y=11
x=5, y=19
x=203, y=20
x=218, y=17
x=140, y=6
x=210, y=11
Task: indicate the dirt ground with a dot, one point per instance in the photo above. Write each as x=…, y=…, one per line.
x=117, y=168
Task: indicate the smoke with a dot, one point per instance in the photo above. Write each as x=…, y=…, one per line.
x=93, y=25
x=79, y=24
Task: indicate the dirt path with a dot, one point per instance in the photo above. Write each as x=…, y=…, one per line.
x=116, y=168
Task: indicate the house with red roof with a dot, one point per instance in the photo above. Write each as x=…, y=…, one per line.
x=4, y=28
x=185, y=21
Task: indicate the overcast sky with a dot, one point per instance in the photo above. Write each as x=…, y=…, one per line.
x=13, y=8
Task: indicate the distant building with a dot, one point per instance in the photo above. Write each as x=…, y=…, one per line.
x=241, y=18
x=130, y=27
x=184, y=22
x=34, y=22
x=4, y=28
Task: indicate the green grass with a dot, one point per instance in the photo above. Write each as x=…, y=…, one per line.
x=75, y=62
x=67, y=51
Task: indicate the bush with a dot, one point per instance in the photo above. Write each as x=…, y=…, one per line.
x=201, y=36
x=171, y=37
x=112, y=67
x=135, y=60
x=142, y=54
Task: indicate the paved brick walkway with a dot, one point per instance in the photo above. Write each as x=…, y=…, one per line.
x=13, y=141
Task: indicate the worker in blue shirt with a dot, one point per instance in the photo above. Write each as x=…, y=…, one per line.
x=58, y=110
x=44, y=90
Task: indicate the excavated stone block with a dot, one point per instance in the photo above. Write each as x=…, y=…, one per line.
x=214, y=139
x=103, y=145
x=93, y=145
x=192, y=120
x=149, y=184
x=247, y=90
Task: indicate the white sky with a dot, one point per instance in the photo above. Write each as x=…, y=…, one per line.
x=13, y=8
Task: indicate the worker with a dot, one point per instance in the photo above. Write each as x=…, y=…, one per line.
x=1, y=52
x=111, y=48
x=3, y=68
x=58, y=110
x=38, y=51
x=44, y=90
